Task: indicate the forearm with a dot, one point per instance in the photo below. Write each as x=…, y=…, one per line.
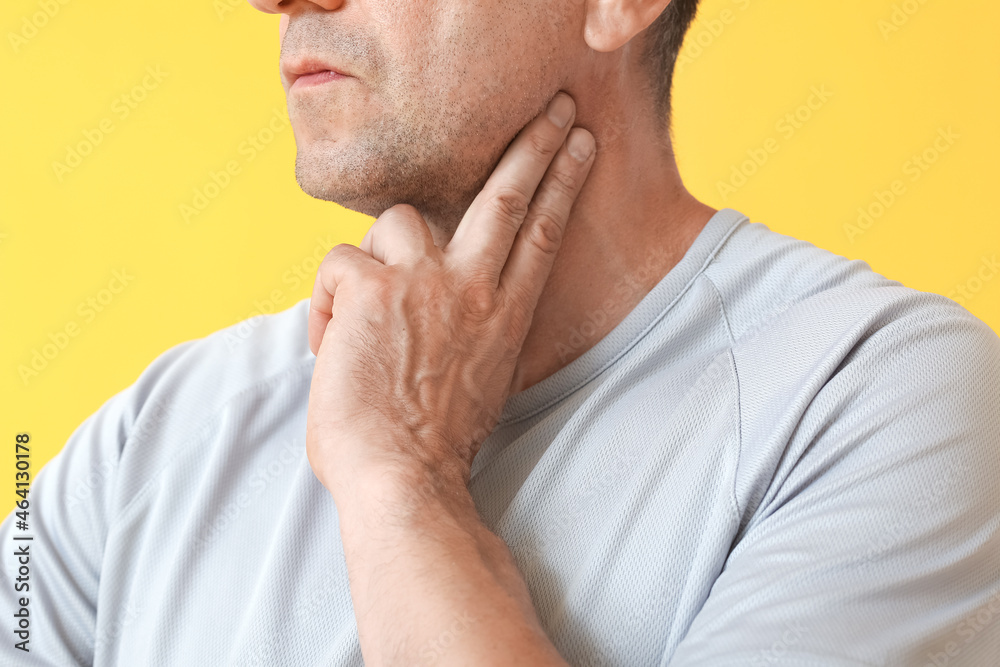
x=431, y=584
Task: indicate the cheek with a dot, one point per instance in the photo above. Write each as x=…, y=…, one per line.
x=471, y=74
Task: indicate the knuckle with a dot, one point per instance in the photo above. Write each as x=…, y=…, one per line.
x=405, y=210
x=367, y=284
x=477, y=298
x=400, y=214
x=540, y=145
x=510, y=205
x=342, y=255
x=338, y=255
x=564, y=182
x=545, y=231
x=339, y=252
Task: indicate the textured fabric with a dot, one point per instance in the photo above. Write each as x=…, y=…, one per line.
x=777, y=457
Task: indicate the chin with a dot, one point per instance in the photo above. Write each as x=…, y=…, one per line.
x=370, y=179
x=355, y=187
x=329, y=190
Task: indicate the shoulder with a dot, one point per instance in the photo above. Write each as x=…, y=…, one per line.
x=762, y=275
x=253, y=372
x=866, y=481
x=199, y=377
x=838, y=363
x=194, y=399
x=826, y=315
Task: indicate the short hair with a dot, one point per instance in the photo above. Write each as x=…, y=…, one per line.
x=663, y=40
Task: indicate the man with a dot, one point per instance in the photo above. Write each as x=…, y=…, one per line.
x=552, y=411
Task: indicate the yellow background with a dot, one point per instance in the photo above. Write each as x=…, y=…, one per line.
x=741, y=73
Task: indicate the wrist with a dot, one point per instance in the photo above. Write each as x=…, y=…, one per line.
x=348, y=459
x=402, y=495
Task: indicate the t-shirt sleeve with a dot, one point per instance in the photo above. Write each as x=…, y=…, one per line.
x=68, y=512
x=73, y=502
x=877, y=541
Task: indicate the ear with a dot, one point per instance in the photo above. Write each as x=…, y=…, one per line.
x=612, y=23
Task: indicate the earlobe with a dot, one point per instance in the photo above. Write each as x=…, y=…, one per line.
x=612, y=23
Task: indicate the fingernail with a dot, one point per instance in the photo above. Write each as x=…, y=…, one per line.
x=580, y=145
x=560, y=109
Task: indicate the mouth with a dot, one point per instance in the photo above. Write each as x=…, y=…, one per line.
x=309, y=72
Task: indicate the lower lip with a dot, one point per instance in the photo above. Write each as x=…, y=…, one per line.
x=317, y=79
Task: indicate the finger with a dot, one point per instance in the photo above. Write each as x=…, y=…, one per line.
x=485, y=234
x=540, y=237
x=400, y=235
x=342, y=261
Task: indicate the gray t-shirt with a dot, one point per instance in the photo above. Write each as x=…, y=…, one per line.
x=779, y=457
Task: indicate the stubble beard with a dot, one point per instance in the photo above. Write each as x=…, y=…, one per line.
x=394, y=160
x=423, y=140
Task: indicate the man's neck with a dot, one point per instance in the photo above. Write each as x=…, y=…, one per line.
x=632, y=223
x=604, y=269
